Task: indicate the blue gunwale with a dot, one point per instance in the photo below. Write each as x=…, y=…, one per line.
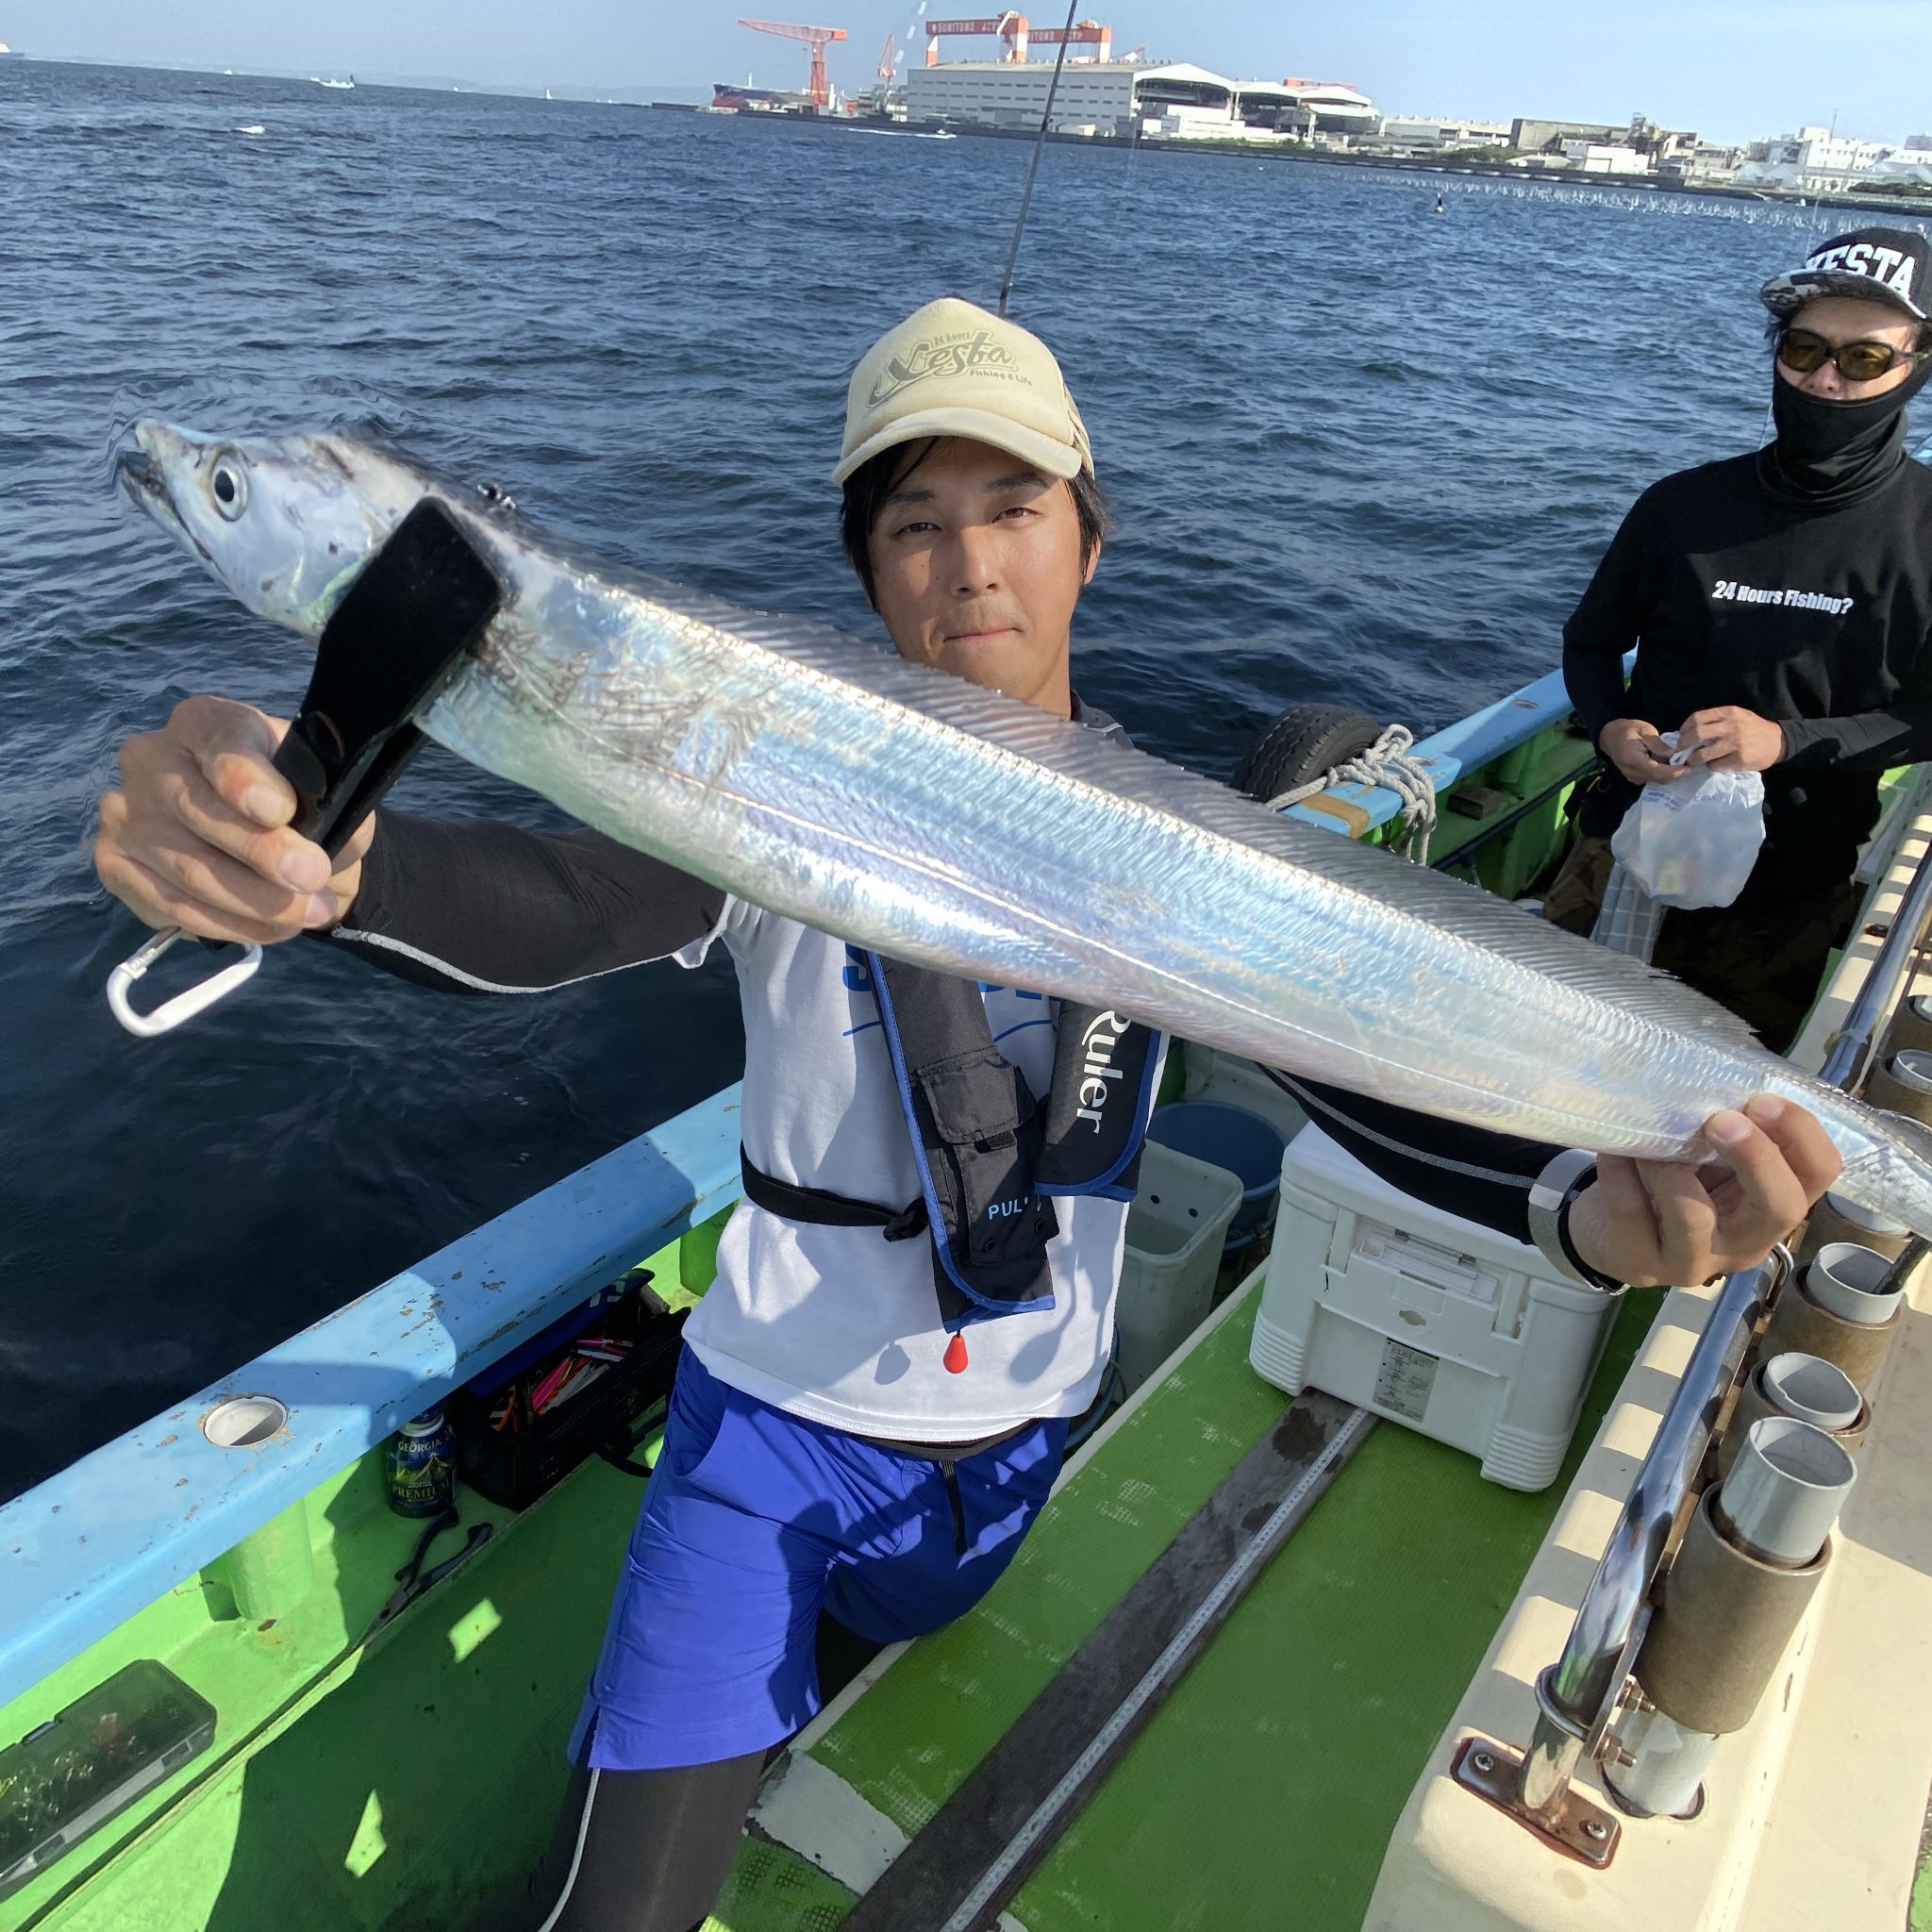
x=1463, y=746
x=90, y=1547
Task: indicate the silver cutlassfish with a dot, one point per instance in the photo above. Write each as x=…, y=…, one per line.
x=907, y=810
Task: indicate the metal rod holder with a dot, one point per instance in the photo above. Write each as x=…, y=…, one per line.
x=1577, y=1696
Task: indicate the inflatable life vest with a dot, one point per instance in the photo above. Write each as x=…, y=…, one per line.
x=992, y=1160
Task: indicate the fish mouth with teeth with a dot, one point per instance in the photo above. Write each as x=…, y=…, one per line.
x=139, y=474
x=146, y=484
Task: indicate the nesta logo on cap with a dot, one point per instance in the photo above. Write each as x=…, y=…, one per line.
x=938, y=356
x=1886, y=266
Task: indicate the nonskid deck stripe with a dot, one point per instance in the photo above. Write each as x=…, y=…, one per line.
x=1112, y=1733
x=977, y=1851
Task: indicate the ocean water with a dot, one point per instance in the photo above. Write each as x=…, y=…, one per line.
x=1354, y=450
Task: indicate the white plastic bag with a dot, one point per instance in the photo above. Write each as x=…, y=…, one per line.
x=1693, y=843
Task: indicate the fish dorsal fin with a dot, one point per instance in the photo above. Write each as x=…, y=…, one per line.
x=1074, y=755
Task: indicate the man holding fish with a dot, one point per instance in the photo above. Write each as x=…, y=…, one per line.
x=917, y=1295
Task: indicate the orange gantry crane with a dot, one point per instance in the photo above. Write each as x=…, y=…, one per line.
x=1009, y=27
x=817, y=89
x=1083, y=33
x=1013, y=29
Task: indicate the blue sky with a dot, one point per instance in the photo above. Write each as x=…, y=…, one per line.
x=1730, y=69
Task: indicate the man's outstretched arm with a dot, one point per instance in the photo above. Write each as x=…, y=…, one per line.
x=198, y=835
x=476, y=907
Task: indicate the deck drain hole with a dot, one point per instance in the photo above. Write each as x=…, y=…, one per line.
x=243, y=1421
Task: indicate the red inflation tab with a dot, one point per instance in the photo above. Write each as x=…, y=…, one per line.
x=955, y=1355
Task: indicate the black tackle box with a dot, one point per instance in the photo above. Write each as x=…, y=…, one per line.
x=511, y=1453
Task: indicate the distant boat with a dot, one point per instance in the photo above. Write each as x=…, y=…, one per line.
x=548, y=96
x=320, y=82
x=7, y=53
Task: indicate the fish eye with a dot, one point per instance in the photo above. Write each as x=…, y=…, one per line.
x=228, y=483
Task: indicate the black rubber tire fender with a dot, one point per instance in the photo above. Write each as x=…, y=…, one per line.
x=1302, y=744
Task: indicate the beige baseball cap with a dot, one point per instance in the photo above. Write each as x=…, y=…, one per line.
x=953, y=369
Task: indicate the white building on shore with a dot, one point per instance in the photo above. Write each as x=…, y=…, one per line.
x=1307, y=108
x=1596, y=157
x=1175, y=99
x=1816, y=161
x=1094, y=96
x=1904, y=167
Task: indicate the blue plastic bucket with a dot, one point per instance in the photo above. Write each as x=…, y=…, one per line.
x=1248, y=1146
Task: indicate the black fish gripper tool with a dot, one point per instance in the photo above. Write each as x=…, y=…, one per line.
x=399, y=635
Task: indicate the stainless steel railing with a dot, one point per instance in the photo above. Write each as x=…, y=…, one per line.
x=1846, y=1062
x=1576, y=1696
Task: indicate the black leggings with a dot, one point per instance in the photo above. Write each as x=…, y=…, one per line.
x=634, y=1850
x=649, y=1851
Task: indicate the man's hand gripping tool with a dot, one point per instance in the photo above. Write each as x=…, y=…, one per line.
x=397, y=638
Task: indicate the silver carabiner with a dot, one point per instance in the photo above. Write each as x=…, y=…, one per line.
x=184, y=1006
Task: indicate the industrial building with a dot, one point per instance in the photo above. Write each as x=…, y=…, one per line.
x=1555, y=139
x=1604, y=158
x=1175, y=99
x=1093, y=96
x=1814, y=161
x=1306, y=108
x=1414, y=133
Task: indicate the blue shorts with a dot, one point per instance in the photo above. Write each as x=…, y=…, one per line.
x=754, y=1522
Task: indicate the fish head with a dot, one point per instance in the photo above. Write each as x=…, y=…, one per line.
x=287, y=523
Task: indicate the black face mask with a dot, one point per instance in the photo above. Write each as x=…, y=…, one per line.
x=1829, y=454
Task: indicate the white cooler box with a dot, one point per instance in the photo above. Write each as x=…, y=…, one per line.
x=1437, y=1323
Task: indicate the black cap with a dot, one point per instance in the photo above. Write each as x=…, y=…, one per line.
x=1874, y=264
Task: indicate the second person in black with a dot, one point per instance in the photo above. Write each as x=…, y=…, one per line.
x=1780, y=604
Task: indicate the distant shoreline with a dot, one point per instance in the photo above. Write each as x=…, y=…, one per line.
x=1272, y=151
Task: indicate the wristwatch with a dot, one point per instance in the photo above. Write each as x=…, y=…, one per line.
x=1550, y=1196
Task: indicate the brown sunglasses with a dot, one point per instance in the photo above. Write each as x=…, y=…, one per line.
x=1801, y=352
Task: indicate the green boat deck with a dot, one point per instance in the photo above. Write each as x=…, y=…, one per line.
x=413, y=1772
x=367, y=1778
x=1289, y=1747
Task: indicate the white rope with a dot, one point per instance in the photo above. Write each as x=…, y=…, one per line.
x=1387, y=763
